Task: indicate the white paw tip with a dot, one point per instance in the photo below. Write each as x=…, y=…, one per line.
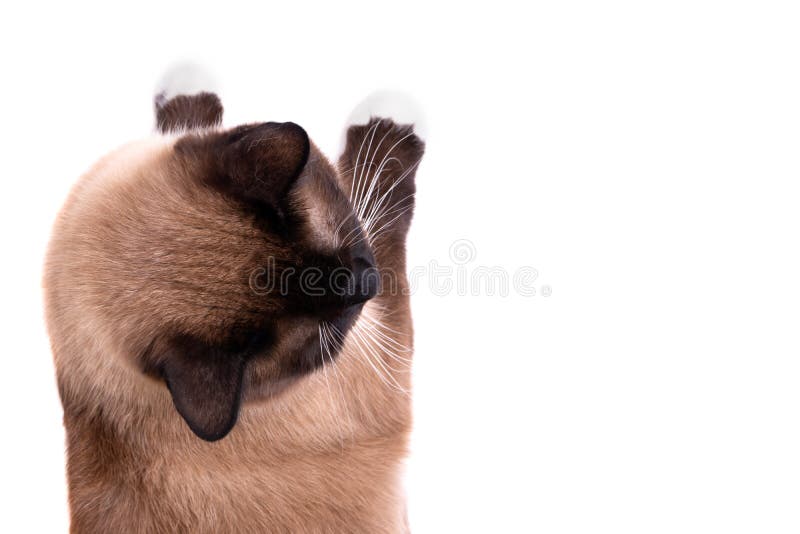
x=185, y=78
x=395, y=105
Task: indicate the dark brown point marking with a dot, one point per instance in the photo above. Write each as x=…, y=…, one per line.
x=187, y=112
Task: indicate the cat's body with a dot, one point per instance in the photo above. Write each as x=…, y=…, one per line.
x=152, y=305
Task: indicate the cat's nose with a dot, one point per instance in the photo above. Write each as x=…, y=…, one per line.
x=366, y=280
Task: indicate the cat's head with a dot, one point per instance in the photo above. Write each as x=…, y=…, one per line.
x=303, y=265
x=215, y=259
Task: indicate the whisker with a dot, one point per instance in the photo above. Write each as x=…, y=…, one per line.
x=375, y=213
x=358, y=157
x=374, y=179
x=322, y=341
x=374, y=129
x=405, y=362
x=387, y=211
x=336, y=375
x=376, y=325
x=362, y=202
x=366, y=350
x=386, y=374
x=387, y=224
x=378, y=203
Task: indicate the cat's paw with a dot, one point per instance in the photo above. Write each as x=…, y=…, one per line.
x=186, y=99
x=382, y=149
x=399, y=108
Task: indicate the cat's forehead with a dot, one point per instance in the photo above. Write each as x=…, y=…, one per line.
x=286, y=186
x=325, y=211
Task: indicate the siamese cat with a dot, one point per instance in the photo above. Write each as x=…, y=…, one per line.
x=229, y=318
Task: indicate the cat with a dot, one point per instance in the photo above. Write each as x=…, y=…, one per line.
x=199, y=395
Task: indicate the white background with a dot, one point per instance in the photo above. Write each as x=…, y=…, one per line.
x=642, y=156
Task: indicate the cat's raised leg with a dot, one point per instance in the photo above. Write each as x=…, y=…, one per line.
x=377, y=168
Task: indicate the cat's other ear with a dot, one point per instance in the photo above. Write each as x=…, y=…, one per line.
x=205, y=383
x=260, y=162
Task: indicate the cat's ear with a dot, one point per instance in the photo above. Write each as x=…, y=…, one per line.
x=205, y=383
x=262, y=161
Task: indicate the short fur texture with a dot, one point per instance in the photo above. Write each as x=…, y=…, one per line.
x=193, y=403
x=188, y=112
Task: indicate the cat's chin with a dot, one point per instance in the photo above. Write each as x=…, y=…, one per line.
x=263, y=382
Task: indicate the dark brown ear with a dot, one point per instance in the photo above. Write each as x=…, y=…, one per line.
x=262, y=161
x=205, y=383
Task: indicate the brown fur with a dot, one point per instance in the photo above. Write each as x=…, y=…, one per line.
x=156, y=243
x=188, y=112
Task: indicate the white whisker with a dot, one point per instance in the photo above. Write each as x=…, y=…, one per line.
x=323, y=341
x=358, y=157
x=377, y=326
x=331, y=341
x=373, y=130
x=405, y=362
x=376, y=175
x=386, y=374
